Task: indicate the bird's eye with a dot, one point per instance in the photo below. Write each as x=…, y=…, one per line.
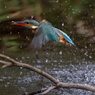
x=26, y=22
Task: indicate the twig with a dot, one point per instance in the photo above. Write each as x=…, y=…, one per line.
x=38, y=91
x=6, y=63
x=48, y=90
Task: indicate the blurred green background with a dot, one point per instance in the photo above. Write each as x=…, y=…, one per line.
x=65, y=62
x=76, y=18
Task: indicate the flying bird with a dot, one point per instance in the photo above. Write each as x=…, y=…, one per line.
x=44, y=32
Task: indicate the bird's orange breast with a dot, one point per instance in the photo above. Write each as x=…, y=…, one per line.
x=33, y=30
x=62, y=39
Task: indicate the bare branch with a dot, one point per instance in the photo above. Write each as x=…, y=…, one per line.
x=55, y=81
x=27, y=66
x=48, y=90
x=10, y=59
x=78, y=86
x=4, y=62
x=38, y=91
x=7, y=64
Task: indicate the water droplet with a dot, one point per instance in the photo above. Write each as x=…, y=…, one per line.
x=27, y=37
x=21, y=67
x=60, y=52
x=20, y=73
x=28, y=57
x=57, y=0
x=86, y=53
x=90, y=56
x=73, y=12
x=66, y=1
x=1, y=79
x=90, y=5
x=46, y=60
x=55, y=60
x=91, y=16
x=20, y=46
x=23, y=57
x=16, y=58
x=85, y=46
x=62, y=24
x=5, y=6
x=20, y=61
x=8, y=17
x=10, y=32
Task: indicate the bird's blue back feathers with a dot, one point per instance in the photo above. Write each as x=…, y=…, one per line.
x=43, y=35
x=49, y=31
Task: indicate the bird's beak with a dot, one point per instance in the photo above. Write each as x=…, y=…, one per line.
x=21, y=23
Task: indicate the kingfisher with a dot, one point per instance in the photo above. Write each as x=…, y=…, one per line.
x=44, y=32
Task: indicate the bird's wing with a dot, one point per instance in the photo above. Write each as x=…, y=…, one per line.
x=43, y=35
x=65, y=36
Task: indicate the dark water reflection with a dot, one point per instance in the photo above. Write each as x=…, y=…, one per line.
x=68, y=64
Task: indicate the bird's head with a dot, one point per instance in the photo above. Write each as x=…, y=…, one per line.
x=31, y=24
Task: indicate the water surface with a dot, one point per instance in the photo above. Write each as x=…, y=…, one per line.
x=66, y=63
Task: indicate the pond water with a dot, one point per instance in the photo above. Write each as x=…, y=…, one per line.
x=66, y=63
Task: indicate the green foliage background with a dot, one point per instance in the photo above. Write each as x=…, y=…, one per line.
x=76, y=18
